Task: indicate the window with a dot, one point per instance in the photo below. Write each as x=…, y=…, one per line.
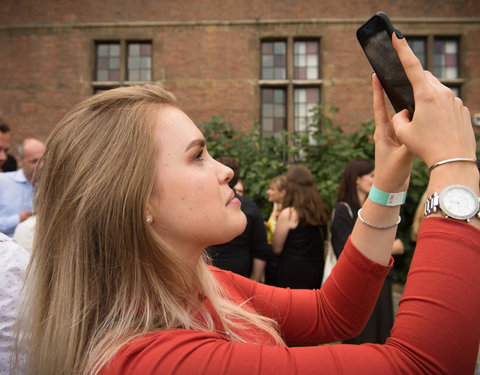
x=289, y=84
x=440, y=55
x=274, y=60
x=273, y=110
x=121, y=63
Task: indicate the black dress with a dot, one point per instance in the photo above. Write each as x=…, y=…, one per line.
x=301, y=262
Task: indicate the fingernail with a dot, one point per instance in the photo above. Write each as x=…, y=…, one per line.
x=399, y=34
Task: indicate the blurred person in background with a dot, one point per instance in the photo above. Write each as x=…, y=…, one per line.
x=276, y=193
x=4, y=142
x=300, y=232
x=355, y=185
x=17, y=189
x=247, y=253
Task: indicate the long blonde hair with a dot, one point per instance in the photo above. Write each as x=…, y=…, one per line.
x=100, y=276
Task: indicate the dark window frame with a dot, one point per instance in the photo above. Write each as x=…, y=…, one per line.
x=100, y=85
x=289, y=84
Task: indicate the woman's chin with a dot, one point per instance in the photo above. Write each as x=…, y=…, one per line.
x=234, y=230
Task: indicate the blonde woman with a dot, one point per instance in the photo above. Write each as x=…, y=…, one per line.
x=276, y=192
x=129, y=198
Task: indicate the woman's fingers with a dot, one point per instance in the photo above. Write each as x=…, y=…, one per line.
x=380, y=113
x=411, y=64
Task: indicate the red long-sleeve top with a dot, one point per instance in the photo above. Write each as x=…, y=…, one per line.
x=436, y=330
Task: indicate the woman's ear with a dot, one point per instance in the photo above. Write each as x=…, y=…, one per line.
x=148, y=213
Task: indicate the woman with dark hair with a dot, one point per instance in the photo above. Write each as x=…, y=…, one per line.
x=300, y=232
x=355, y=185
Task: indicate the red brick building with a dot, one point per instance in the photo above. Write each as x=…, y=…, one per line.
x=251, y=61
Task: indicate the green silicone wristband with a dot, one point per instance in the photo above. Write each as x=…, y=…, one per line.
x=387, y=199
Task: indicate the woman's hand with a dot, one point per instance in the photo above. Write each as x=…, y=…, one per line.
x=393, y=161
x=441, y=126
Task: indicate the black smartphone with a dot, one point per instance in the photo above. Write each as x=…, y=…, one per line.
x=375, y=37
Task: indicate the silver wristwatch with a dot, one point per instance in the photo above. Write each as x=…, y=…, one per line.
x=455, y=201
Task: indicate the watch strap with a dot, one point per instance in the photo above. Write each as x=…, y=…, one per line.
x=432, y=204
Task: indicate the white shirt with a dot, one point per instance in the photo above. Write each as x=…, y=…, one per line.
x=13, y=263
x=24, y=233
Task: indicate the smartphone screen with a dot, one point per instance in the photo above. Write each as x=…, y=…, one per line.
x=375, y=37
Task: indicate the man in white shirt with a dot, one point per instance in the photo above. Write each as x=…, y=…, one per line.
x=17, y=188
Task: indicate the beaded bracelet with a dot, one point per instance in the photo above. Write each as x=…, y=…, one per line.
x=378, y=226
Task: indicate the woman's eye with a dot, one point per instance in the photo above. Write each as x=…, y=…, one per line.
x=199, y=155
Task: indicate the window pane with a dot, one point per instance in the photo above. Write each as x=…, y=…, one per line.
x=134, y=75
x=446, y=58
x=114, y=49
x=267, y=109
x=305, y=100
x=274, y=60
x=145, y=75
x=279, y=73
x=114, y=63
x=274, y=116
x=279, y=48
x=267, y=61
x=418, y=46
x=139, y=61
x=306, y=60
x=114, y=75
x=107, y=62
x=102, y=75
x=267, y=73
x=133, y=49
x=102, y=49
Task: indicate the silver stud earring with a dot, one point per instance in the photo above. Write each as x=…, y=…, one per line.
x=149, y=219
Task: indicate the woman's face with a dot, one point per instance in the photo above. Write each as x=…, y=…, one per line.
x=364, y=182
x=239, y=189
x=191, y=204
x=275, y=195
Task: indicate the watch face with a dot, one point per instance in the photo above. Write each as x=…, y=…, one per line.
x=458, y=202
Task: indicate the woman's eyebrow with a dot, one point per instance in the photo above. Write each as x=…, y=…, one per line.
x=197, y=142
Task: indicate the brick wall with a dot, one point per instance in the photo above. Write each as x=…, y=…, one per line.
x=206, y=52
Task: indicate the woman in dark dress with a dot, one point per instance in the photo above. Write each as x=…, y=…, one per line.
x=355, y=185
x=300, y=233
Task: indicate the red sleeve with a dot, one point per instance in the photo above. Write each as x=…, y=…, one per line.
x=436, y=330
x=339, y=310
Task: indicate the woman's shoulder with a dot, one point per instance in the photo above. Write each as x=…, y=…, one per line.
x=289, y=215
x=289, y=212
x=346, y=209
